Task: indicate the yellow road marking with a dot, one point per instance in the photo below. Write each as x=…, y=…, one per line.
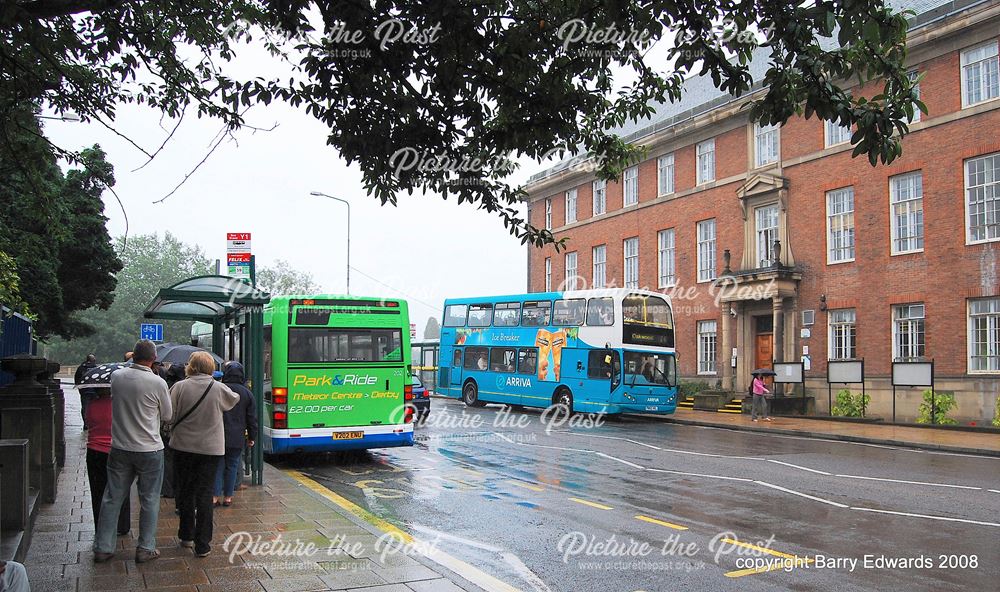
x=525, y=485
x=471, y=471
x=766, y=568
x=661, y=522
x=474, y=575
x=591, y=504
x=760, y=549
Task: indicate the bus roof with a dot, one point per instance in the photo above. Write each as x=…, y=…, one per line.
x=532, y=296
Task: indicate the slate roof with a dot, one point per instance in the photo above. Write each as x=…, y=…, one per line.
x=699, y=94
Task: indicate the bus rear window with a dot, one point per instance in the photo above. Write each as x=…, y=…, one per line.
x=536, y=314
x=313, y=316
x=569, y=313
x=344, y=345
x=454, y=315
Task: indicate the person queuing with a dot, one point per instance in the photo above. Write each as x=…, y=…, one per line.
x=140, y=402
x=198, y=442
x=173, y=374
x=241, y=431
x=88, y=363
x=99, y=418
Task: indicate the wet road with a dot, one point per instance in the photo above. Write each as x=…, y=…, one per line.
x=638, y=505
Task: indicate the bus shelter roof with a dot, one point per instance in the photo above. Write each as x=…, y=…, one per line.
x=204, y=298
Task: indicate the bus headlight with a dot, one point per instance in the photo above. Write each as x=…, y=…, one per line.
x=630, y=397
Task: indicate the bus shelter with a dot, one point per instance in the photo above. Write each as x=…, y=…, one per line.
x=232, y=307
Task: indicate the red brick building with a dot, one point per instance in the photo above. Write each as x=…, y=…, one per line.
x=776, y=244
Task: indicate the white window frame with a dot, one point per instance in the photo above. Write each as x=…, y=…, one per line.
x=706, y=161
x=835, y=134
x=708, y=346
x=571, y=271
x=548, y=274
x=706, y=250
x=987, y=66
x=571, y=206
x=990, y=317
x=913, y=325
x=665, y=174
x=844, y=217
x=600, y=188
x=666, y=241
x=548, y=213
x=906, y=201
x=599, y=258
x=630, y=186
x=630, y=255
x=766, y=145
x=843, y=334
x=990, y=185
x=766, y=235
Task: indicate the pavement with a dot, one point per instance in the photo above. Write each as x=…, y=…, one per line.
x=633, y=505
x=942, y=439
x=346, y=552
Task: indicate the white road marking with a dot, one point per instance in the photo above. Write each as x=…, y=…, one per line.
x=994, y=490
x=624, y=462
x=787, y=464
x=779, y=462
x=945, y=518
x=700, y=475
x=910, y=482
x=772, y=485
x=800, y=494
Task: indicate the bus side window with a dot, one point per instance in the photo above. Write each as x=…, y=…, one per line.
x=475, y=358
x=457, y=363
x=502, y=359
x=527, y=360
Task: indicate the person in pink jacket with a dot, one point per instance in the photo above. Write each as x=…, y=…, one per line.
x=759, y=399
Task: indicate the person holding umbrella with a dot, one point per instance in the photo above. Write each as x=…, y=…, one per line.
x=760, y=392
x=97, y=380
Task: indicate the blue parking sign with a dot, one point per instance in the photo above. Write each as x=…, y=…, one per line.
x=151, y=331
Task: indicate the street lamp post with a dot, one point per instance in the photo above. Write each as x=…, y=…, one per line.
x=344, y=201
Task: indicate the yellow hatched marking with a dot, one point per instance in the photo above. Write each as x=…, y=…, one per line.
x=766, y=568
x=591, y=504
x=526, y=485
x=660, y=522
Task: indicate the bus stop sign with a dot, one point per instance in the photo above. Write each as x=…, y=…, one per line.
x=151, y=331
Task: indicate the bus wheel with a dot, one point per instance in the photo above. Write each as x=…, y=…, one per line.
x=564, y=398
x=470, y=394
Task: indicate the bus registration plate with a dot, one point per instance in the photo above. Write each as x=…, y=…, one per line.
x=348, y=435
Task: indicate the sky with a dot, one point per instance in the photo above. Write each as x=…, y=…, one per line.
x=425, y=249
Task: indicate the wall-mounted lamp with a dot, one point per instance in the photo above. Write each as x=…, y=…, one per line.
x=822, y=301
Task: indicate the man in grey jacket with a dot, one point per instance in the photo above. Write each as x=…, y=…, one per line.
x=139, y=402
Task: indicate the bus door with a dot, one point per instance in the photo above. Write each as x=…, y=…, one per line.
x=604, y=365
x=455, y=380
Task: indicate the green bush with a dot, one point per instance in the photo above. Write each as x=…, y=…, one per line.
x=690, y=389
x=850, y=405
x=944, y=402
x=996, y=416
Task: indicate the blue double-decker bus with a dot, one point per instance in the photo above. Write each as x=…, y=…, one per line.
x=592, y=351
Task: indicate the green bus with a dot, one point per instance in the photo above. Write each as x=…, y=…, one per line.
x=336, y=374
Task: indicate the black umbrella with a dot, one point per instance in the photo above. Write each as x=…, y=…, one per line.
x=763, y=372
x=178, y=353
x=100, y=376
